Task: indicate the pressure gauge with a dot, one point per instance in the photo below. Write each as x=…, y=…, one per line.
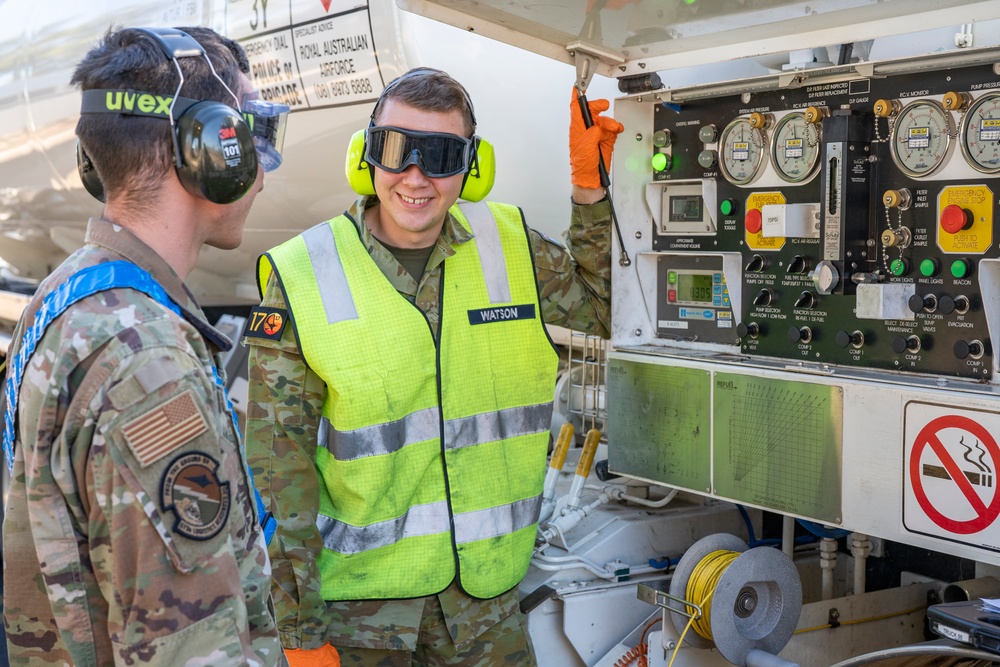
x=742, y=150
x=981, y=134
x=921, y=137
x=795, y=148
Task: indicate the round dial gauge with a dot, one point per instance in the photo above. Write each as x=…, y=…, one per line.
x=795, y=148
x=981, y=134
x=742, y=149
x=921, y=137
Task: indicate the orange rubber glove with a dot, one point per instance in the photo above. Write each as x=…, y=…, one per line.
x=584, y=142
x=326, y=656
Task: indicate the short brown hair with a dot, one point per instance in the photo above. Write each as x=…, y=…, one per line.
x=430, y=90
x=132, y=153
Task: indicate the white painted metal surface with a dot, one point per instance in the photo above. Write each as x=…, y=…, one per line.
x=650, y=35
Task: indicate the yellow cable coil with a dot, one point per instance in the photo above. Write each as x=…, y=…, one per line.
x=701, y=586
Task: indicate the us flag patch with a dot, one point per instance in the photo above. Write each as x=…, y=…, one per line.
x=164, y=428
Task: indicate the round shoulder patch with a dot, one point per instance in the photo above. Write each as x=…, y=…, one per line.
x=191, y=489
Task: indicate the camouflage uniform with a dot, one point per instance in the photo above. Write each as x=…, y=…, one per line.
x=124, y=545
x=283, y=412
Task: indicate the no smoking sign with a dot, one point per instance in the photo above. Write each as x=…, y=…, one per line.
x=950, y=474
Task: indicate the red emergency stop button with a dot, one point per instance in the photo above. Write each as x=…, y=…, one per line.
x=753, y=220
x=954, y=218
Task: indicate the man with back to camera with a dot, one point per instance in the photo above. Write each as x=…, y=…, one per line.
x=131, y=534
x=398, y=430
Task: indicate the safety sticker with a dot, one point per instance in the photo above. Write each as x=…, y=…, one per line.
x=191, y=489
x=266, y=323
x=950, y=474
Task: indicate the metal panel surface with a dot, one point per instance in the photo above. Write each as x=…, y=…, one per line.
x=777, y=444
x=659, y=423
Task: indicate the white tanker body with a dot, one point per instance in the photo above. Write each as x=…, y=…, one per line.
x=856, y=433
x=327, y=59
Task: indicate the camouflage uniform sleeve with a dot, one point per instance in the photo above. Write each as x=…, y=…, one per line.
x=284, y=405
x=167, y=522
x=575, y=283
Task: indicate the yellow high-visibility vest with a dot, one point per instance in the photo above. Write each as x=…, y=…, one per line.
x=431, y=457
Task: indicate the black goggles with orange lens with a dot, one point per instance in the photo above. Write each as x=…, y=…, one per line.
x=437, y=154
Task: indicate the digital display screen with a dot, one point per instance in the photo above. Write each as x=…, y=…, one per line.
x=686, y=208
x=694, y=288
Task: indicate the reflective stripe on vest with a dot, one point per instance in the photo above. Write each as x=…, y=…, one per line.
x=427, y=520
x=424, y=468
x=424, y=424
x=82, y=284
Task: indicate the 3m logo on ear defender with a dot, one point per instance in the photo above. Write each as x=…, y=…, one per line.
x=230, y=146
x=129, y=100
x=267, y=323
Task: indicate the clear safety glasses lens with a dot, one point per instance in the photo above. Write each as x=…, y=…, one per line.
x=267, y=121
x=436, y=154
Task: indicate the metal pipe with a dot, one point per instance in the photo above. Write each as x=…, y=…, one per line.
x=757, y=658
x=619, y=493
x=860, y=548
x=972, y=589
x=788, y=535
x=916, y=649
x=827, y=563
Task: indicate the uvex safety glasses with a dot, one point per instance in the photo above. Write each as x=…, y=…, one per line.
x=267, y=121
x=435, y=153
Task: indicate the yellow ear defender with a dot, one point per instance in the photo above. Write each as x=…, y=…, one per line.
x=478, y=181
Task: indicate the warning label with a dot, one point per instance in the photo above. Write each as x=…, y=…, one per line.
x=308, y=53
x=950, y=469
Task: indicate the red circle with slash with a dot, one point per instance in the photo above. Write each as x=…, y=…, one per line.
x=929, y=437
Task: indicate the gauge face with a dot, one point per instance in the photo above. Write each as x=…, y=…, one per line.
x=795, y=148
x=742, y=149
x=921, y=137
x=981, y=134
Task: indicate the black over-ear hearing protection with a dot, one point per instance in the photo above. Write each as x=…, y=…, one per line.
x=214, y=153
x=88, y=175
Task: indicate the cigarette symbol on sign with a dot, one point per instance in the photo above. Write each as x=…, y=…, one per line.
x=983, y=476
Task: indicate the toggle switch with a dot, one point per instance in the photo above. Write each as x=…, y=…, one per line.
x=901, y=344
x=800, y=335
x=752, y=329
x=964, y=350
x=855, y=339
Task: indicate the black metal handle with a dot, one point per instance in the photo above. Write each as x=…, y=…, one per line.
x=588, y=122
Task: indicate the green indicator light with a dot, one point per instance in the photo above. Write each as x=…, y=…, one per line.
x=727, y=207
x=671, y=277
x=897, y=267
x=960, y=268
x=659, y=162
x=929, y=267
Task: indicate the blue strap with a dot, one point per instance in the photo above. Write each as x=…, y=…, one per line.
x=267, y=520
x=84, y=283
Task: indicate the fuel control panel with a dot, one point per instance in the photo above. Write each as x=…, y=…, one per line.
x=844, y=221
